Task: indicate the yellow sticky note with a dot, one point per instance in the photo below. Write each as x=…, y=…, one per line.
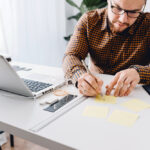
x=96, y=111
x=123, y=118
x=135, y=105
x=106, y=99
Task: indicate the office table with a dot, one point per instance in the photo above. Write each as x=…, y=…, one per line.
x=72, y=130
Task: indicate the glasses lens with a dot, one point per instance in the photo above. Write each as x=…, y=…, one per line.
x=117, y=10
x=133, y=14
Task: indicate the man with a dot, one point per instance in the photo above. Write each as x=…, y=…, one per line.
x=118, y=41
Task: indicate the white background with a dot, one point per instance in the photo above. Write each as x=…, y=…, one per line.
x=33, y=30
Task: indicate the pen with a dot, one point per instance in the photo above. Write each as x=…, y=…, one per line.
x=88, y=71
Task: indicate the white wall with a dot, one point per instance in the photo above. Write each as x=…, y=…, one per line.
x=147, y=8
x=70, y=11
x=34, y=30
x=2, y=40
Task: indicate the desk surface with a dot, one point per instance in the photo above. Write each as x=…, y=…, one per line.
x=72, y=130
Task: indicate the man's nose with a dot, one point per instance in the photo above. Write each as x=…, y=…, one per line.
x=123, y=18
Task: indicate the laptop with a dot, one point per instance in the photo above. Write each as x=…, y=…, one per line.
x=10, y=81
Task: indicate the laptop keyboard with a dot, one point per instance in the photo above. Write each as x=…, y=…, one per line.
x=36, y=86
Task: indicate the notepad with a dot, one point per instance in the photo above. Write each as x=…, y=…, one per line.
x=96, y=111
x=136, y=105
x=106, y=99
x=123, y=118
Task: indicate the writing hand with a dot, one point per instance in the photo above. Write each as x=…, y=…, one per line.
x=89, y=85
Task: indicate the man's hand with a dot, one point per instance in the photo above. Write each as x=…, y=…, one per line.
x=89, y=85
x=124, y=82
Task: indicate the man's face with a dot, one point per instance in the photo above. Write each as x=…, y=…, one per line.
x=121, y=22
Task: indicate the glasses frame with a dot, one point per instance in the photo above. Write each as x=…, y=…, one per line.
x=126, y=11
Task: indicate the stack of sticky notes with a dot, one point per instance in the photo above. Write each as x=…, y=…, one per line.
x=106, y=99
x=123, y=118
x=96, y=111
x=117, y=116
x=135, y=105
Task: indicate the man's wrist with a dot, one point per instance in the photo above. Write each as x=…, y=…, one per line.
x=135, y=67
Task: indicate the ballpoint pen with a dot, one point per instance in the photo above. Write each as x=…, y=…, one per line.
x=88, y=71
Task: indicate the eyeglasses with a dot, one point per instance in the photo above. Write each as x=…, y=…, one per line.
x=130, y=13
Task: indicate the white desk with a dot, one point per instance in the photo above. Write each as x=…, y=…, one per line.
x=72, y=130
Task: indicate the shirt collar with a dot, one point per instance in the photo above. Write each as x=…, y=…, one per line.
x=104, y=22
x=133, y=27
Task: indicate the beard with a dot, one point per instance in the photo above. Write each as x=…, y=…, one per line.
x=113, y=28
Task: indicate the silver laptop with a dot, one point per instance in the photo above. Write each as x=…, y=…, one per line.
x=11, y=82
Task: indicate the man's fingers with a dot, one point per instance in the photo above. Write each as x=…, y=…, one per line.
x=88, y=93
x=89, y=85
x=125, y=87
x=130, y=89
x=86, y=89
x=119, y=85
x=80, y=91
x=100, y=84
x=92, y=81
x=112, y=84
x=117, y=89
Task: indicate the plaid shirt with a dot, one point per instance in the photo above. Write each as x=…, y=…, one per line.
x=112, y=52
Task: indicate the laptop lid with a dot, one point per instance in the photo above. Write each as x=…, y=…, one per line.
x=11, y=82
